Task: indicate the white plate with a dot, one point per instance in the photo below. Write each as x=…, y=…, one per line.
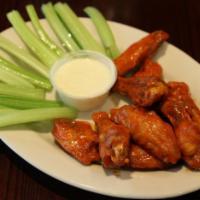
x=38, y=147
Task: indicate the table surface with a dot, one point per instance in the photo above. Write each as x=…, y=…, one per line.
x=180, y=18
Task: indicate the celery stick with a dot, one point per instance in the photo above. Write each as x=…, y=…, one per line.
x=103, y=30
x=78, y=30
x=36, y=114
x=59, y=28
x=32, y=93
x=22, y=103
x=24, y=56
x=12, y=79
x=3, y=107
x=32, y=77
x=41, y=32
x=5, y=110
x=38, y=48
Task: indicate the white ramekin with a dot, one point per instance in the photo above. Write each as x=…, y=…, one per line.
x=84, y=103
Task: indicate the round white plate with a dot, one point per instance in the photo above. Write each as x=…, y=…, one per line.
x=36, y=144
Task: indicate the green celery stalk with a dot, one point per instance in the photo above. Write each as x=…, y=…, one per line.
x=38, y=48
x=103, y=30
x=32, y=93
x=59, y=28
x=24, y=56
x=4, y=107
x=78, y=30
x=6, y=110
x=32, y=77
x=23, y=103
x=12, y=79
x=41, y=32
x=36, y=114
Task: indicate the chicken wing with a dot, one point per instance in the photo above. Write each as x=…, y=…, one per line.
x=78, y=139
x=139, y=51
x=145, y=87
x=180, y=109
x=149, y=131
x=113, y=141
x=150, y=68
x=142, y=160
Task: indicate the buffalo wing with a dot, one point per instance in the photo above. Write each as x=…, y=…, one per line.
x=139, y=51
x=113, y=141
x=149, y=131
x=78, y=139
x=180, y=109
x=145, y=87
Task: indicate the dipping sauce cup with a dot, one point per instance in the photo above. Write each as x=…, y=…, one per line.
x=83, y=79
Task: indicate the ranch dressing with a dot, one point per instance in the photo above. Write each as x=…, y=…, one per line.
x=83, y=77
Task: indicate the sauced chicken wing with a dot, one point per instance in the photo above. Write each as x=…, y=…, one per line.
x=113, y=141
x=139, y=51
x=180, y=109
x=142, y=160
x=150, y=68
x=78, y=139
x=149, y=131
x=145, y=87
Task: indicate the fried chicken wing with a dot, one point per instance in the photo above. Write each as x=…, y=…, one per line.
x=142, y=160
x=145, y=87
x=149, y=131
x=139, y=51
x=113, y=141
x=78, y=139
x=150, y=68
x=180, y=109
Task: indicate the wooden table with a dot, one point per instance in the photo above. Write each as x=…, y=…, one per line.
x=180, y=18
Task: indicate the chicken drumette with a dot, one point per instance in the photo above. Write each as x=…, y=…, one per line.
x=149, y=131
x=78, y=139
x=180, y=109
x=145, y=87
x=113, y=141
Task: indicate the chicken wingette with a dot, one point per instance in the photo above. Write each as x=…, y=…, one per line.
x=145, y=87
x=149, y=131
x=78, y=139
x=139, y=51
x=183, y=113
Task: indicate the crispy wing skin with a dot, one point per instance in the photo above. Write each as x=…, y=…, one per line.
x=139, y=51
x=113, y=141
x=150, y=68
x=193, y=162
x=180, y=109
x=188, y=137
x=142, y=91
x=145, y=87
x=178, y=104
x=149, y=131
x=142, y=160
x=78, y=139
